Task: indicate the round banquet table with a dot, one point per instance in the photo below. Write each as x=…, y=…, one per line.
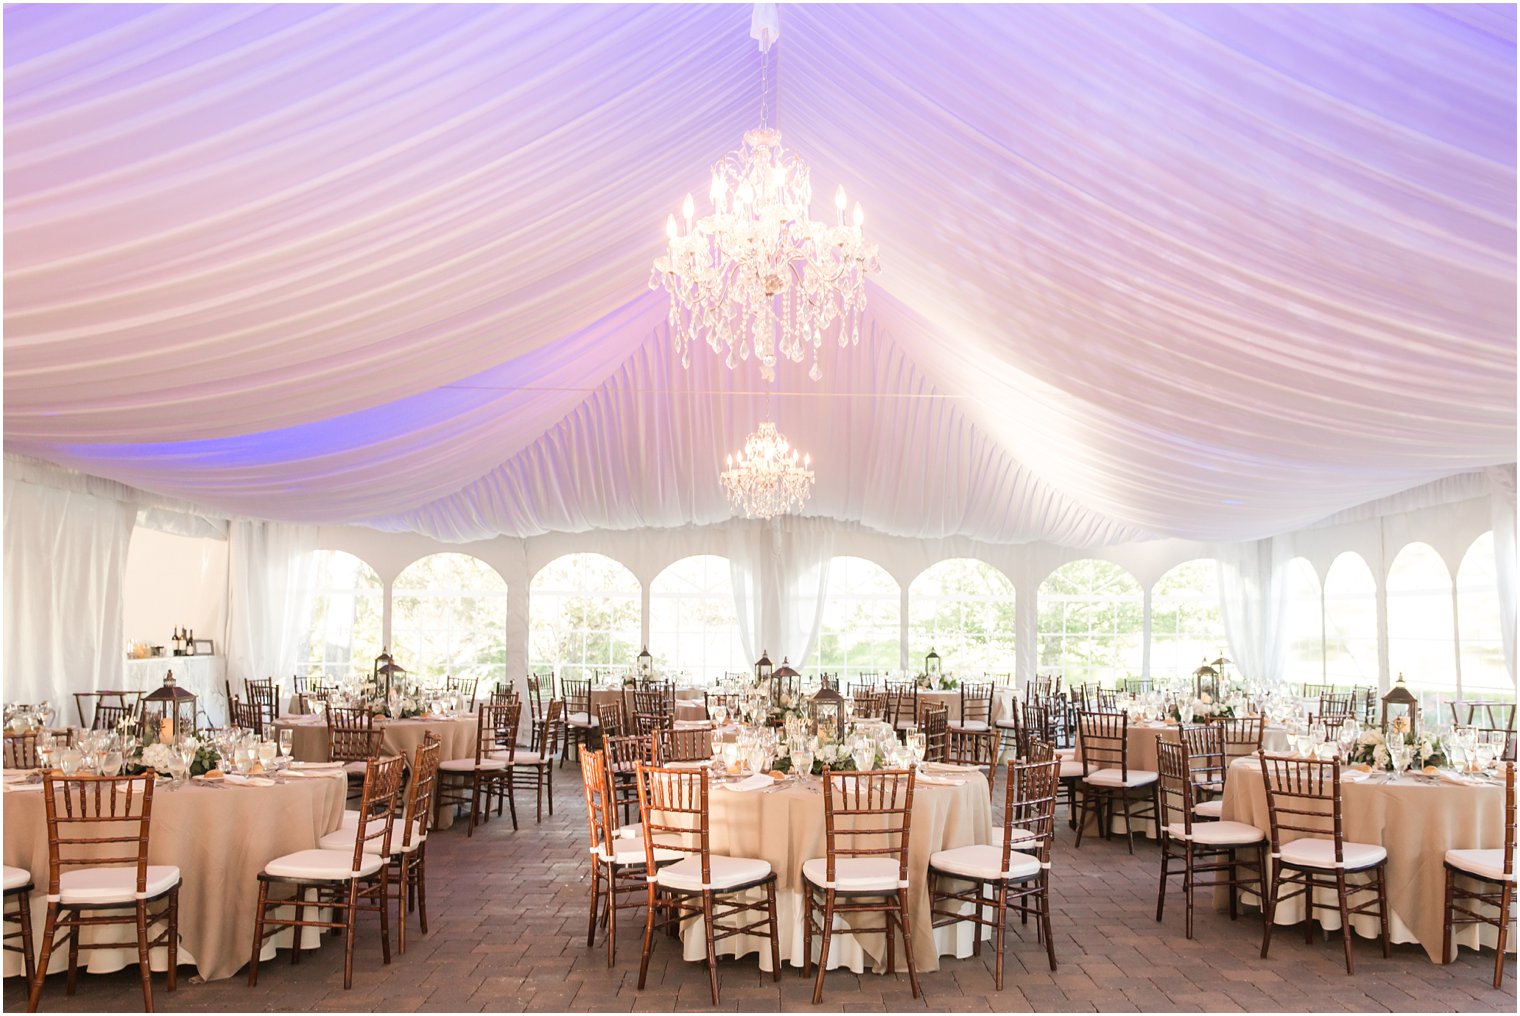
x=220, y=837
x=1417, y=820
x=784, y=825
x=691, y=703
x=402, y=737
x=1002, y=701
x=1141, y=737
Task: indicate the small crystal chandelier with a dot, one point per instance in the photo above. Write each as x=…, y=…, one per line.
x=767, y=480
x=760, y=274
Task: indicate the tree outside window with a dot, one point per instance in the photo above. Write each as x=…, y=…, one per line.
x=1091, y=623
x=861, y=627
x=449, y=618
x=963, y=609
x=343, y=634
x=583, y=617
x=692, y=625
x=1187, y=629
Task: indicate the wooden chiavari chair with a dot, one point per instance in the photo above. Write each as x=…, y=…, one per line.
x=464, y=687
x=859, y=687
x=98, y=873
x=687, y=744
x=974, y=748
x=867, y=821
x=1210, y=767
x=617, y=861
x=1494, y=872
x=976, y=708
x=1304, y=799
x=902, y=704
x=1011, y=873
x=1107, y=699
x=583, y=727
x=21, y=750
x=1488, y=717
x=536, y=696
x=1241, y=734
x=1335, y=707
x=611, y=719
x=122, y=703
x=109, y=715
x=1204, y=849
x=655, y=700
x=1108, y=780
x=484, y=776
x=246, y=716
x=1009, y=727
x=1368, y=698
x=1040, y=688
x=1315, y=691
x=533, y=767
x=830, y=681
x=264, y=695
x=18, y=911
x=934, y=724
x=350, y=879
x=622, y=756
x=870, y=705
x=306, y=700
x=673, y=811
x=645, y=724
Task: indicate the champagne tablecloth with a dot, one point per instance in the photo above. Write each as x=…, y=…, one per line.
x=402, y=737
x=1417, y=821
x=1142, y=742
x=220, y=837
x=690, y=702
x=785, y=826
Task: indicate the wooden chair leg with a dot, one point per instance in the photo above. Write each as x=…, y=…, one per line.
x=648, y=935
x=1382, y=891
x=907, y=934
x=1506, y=901
x=827, y=926
x=712, y=945
x=144, y=966
x=770, y=904
x=258, y=934
x=49, y=931
x=1446, y=918
x=350, y=926
x=172, y=980
x=24, y=918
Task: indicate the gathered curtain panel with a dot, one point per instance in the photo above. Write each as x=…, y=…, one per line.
x=270, y=571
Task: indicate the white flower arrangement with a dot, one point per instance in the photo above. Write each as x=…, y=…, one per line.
x=160, y=757
x=1372, y=748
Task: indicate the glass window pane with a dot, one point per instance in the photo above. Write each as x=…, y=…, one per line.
x=1187, y=629
x=449, y=618
x=1351, y=656
x=1304, y=625
x=1484, y=674
x=963, y=609
x=860, y=631
x=343, y=633
x=1091, y=623
x=692, y=626
x=583, y=616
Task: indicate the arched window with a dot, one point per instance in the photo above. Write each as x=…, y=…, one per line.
x=1187, y=629
x=1479, y=624
x=1421, y=642
x=861, y=628
x=1351, y=656
x=1304, y=624
x=449, y=617
x=963, y=610
x=1091, y=622
x=343, y=632
x=692, y=625
x=583, y=616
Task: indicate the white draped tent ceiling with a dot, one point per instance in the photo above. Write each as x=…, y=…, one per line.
x=1205, y=272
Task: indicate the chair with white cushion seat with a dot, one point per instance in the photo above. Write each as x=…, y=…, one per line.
x=934, y=724
x=976, y=707
x=1010, y=731
x=353, y=739
x=1241, y=735
x=617, y=855
x=867, y=822
x=1011, y=873
x=533, y=767
x=687, y=744
x=348, y=879
x=902, y=704
x=1494, y=871
x=18, y=893
x=1202, y=849
x=98, y=834
x=1304, y=801
x=1208, y=766
x=486, y=775
x=974, y=748
x=408, y=844
x=673, y=809
x=621, y=757
x=1107, y=779
x=582, y=726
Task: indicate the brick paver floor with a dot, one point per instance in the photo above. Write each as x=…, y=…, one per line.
x=508, y=914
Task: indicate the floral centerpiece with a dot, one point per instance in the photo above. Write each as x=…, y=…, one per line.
x=406, y=699
x=790, y=706
x=1205, y=706
x=933, y=682
x=164, y=758
x=833, y=755
x=1372, y=747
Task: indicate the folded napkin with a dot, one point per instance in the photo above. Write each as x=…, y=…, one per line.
x=687, y=765
x=15, y=788
x=940, y=781
x=252, y=781
x=316, y=765
x=1354, y=776
x=946, y=768
x=759, y=781
x=1460, y=780
x=693, y=725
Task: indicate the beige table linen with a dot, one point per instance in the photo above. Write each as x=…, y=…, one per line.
x=220, y=837
x=1002, y=700
x=785, y=826
x=1417, y=821
x=402, y=737
x=1141, y=736
x=691, y=703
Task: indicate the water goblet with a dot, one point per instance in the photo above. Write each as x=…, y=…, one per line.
x=110, y=763
x=718, y=713
x=287, y=740
x=918, y=747
x=1399, y=754
x=1305, y=744
x=802, y=760
x=864, y=755
x=69, y=760
x=267, y=750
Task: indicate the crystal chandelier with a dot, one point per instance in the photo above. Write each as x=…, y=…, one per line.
x=760, y=274
x=767, y=480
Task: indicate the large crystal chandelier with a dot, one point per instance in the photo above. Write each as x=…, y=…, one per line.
x=767, y=480
x=760, y=275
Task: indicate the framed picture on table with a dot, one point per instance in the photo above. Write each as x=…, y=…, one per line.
x=202, y=647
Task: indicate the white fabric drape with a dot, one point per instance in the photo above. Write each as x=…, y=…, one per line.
x=395, y=258
x=1503, y=500
x=65, y=564
x=1253, y=602
x=780, y=573
x=270, y=569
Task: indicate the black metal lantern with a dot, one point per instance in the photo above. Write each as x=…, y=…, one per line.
x=386, y=672
x=166, y=703
x=1206, y=679
x=1406, y=706
x=827, y=710
x=785, y=681
x=763, y=667
x=931, y=663
x=646, y=665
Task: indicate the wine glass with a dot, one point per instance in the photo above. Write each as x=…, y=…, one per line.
x=69, y=760
x=718, y=712
x=266, y=751
x=1351, y=732
x=110, y=763
x=287, y=740
x=864, y=754
x=1305, y=744
x=802, y=759
x=918, y=747
x=1399, y=753
x=45, y=750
